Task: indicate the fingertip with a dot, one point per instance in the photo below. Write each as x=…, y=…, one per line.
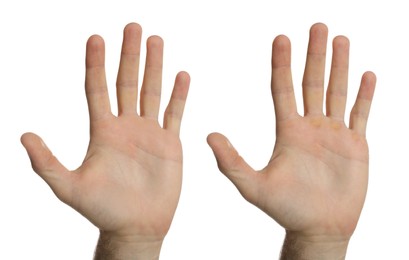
x=25, y=137
x=182, y=84
x=319, y=27
x=95, y=41
x=25, y=141
x=281, y=41
x=31, y=140
x=213, y=137
x=219, y=142
x=341, y=41
x=36, y=150
x=184, y=76
x=133, y=27
x=95, y=50
x=370, y=77
x=132, y=41
x=155, y=41
x=223, y=151
x=367, y=85
x=317, y=44
x=281, y=54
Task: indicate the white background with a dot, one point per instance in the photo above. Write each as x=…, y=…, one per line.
x=226, y=47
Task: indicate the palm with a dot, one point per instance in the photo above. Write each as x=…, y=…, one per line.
x=315, y=161
x=316, y=180
x=141, y=165
x=130, y=181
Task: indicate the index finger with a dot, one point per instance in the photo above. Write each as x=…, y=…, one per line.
x=281, y=79
x=95, y=81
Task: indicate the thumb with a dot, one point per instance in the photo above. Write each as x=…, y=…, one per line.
x=233, y=166
x=47, y=166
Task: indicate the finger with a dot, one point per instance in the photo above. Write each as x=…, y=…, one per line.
x=281, y=80
x=95, y=82
x=152, y=81
x=313, y=81
x=360, y=111
x=48, y=167
x=234, y=167
x=338, y=81
x=174, y=111
x=127, y=81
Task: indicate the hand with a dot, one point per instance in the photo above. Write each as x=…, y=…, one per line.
x=316, y=181
x=130, y=181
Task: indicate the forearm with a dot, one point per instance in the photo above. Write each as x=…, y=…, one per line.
x=299, y=248
x=110, y=248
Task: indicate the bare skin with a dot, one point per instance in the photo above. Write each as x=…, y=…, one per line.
x=130, y=180
x=316, y=181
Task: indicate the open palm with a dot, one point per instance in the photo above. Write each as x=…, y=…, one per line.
x=315, y=183
x=130, y=181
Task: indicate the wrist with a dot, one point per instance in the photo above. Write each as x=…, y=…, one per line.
x=112, y=247
x=302, y=247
